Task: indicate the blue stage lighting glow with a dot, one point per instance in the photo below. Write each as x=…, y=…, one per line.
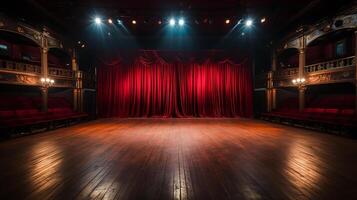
x=249, y=22
x=181, y=22
x=97, y=20
x=172, y=22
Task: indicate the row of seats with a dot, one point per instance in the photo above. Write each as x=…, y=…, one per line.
x=334, y=101
x=25, y=111
x=327, y=116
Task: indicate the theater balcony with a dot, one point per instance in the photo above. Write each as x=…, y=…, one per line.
x=40, y=80
x=313, y=76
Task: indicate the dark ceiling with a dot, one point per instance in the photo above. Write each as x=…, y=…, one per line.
x=205, y=18
x=73, y=19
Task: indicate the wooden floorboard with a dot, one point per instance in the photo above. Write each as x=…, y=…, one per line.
x=178, y=159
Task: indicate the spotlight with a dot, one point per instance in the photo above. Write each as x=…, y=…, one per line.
x=181, y=22
x=242, y=33
x=249, y=22
x=110, y=21
x=98, y=20
x=172, y=22
x=133, y=22
x=119, y=21
x=83, y=46
x=159, y=22
x=262, y=20
x=228, y=21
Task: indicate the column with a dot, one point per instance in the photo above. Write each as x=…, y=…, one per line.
x=301, y=97
x=44, y=73
x=75, y=89
x=44, y=95
x=78, y=92
x=301, y=73
x=268, y=92
x=356, y=72
x=273, y=90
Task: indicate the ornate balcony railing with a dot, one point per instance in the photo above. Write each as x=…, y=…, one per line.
x=333, y=64
x=60, y=72
x=21, y=67
x=9, y=65
x=286, y=73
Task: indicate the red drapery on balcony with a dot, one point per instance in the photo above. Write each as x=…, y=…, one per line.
x=174, y=85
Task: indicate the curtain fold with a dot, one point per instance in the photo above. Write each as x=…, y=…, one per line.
x=152, y=86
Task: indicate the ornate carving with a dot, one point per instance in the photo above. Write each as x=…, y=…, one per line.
x=346, y=75
x=20, y=29
x=347, y=21
x=323, y=28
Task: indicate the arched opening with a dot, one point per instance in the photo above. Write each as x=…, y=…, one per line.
x=334, y=45
x=288, y=58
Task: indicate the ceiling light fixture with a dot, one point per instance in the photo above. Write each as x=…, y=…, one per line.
x=249, y=22
x=97, y=20
x=181, y=22
x=172, y=22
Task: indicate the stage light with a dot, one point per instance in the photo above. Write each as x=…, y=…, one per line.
x=263, y=20
x=133, y=22
x=242, y=33
x=98, y=20
x=159, y=22
x=181, y=22
x=228, y=21
x=83, y=46
x=172, y=22
x=119, y=21
x=110, y=21
x=249, y=22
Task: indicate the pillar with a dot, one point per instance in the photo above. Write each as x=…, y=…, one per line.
x=268, y=92
x=301, y=97
x=301, y=73
x=356, y=72
x=78, y=92
x=273, y=90
x=75, y=88
x=44, y=73
x=44, y=95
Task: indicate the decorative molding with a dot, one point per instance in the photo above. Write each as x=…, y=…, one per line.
x=34, y=35
x=317, y=31
x=332, y=76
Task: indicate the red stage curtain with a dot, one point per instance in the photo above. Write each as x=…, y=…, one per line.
x=158, y=88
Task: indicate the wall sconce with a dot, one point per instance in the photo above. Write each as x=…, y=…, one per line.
x=47, y=82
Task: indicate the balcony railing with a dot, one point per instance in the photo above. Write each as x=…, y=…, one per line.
x=19, y=67
x=60, y=72
x=333, y=64
x=286, y=73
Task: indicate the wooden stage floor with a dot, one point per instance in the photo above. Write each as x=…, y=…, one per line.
x=178, y=159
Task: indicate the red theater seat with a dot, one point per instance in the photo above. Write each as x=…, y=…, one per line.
x=24, y=111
